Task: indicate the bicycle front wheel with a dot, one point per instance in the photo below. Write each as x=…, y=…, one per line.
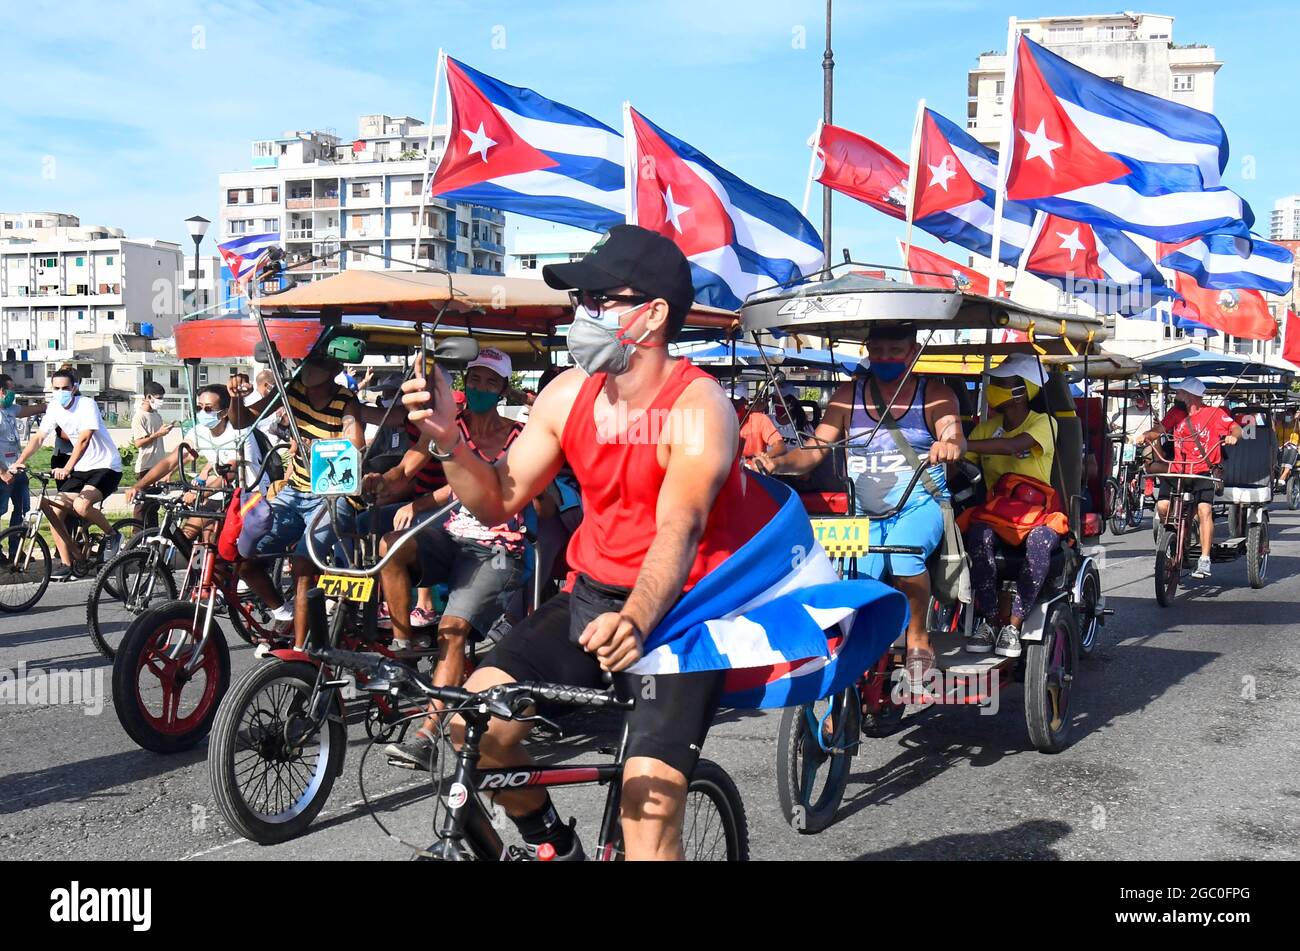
x=25, y=569
x=715, y=828
x=126, y=587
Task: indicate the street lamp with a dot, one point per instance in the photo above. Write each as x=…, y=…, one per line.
x=198, y=226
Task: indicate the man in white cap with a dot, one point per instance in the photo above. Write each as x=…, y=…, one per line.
x=1199, y=433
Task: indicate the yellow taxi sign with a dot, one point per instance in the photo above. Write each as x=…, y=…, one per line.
x=350, y=589
x=843, y=537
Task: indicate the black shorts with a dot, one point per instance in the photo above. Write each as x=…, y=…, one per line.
x=105, y=480
x=673, y=712
x=1202, y=489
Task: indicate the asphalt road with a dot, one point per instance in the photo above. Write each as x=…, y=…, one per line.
x=1185, y=748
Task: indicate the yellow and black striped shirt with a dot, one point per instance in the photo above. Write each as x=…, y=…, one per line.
x=314, y=423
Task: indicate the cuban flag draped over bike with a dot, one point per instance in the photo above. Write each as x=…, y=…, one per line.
x=777, y=618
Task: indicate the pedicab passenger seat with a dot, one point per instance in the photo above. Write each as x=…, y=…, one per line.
x=1248, y=468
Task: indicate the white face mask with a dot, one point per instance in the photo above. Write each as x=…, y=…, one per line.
x=597, y=344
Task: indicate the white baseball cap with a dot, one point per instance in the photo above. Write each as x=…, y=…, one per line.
x=1192, y=387
x=495, y=360
x=1021, y=365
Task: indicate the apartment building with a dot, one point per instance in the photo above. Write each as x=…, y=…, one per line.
x=1284, y=223
x=529, y=253
x=355, y=204
x=49, y=225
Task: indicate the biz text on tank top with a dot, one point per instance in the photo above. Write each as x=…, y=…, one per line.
x=619, y=425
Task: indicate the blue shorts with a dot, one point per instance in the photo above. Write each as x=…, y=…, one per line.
x=919, y=525
x=291, y=512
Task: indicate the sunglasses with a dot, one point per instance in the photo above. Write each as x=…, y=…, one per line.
x=597, y=301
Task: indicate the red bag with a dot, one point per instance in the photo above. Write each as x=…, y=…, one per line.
x=228, y=537
x=1017, y=505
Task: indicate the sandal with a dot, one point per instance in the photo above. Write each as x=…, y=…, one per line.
x=918, y=669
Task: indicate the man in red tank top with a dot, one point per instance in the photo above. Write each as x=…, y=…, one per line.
x=652, y=442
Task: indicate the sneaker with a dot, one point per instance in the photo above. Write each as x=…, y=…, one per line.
x=546, y=852
x=422, y=618
x=384, y=620
x=420, y=753
x=241, y=588
x=420, y=642
x=282, y=617
x=1008, y=642
x=1202, y=569
x=61, y=573
x=982, y=638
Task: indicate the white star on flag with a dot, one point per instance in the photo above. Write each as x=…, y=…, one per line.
x=479, y=141
x=940, y=174
x=1040, y=146
x=672, y=210
x=1070, y=242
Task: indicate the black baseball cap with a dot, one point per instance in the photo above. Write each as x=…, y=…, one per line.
x=630, y=256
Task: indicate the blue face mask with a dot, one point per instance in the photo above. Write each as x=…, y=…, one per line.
x=64, y=398
x=481, y=401
x=888, y=370
x=206, y=418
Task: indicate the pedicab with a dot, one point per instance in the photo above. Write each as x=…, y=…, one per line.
x=279, y=737
x=1243, y=485
x=817, y=741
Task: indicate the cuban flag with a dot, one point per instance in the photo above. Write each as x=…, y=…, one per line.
x=1095, y=151
x=509, y=148
x=957, y=179
x=1227, y=262
x=1101, y=266
x=777, y=618
x=242, y=254
x=738, y=239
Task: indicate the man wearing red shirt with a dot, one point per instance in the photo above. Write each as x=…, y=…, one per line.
x=758, y=434
x=1198, y=433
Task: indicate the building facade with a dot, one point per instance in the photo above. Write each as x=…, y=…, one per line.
x=49, y=225
x=355, y=204
x=1284, y=223
x=529, y=253
x=1135, y=49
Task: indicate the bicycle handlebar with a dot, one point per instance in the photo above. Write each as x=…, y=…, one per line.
x=393, y=549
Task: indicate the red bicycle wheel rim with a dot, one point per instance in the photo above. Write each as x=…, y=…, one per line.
x=168, y=673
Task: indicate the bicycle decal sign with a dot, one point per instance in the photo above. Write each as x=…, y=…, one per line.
x=335, y=467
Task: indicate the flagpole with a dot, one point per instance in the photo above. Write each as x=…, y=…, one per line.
x=428, y=158
x=629, y=165
x=828, y=88
x=913, y=160
x=1035, y=231
x=1004, y=159
x=815, y=142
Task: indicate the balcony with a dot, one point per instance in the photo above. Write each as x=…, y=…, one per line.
x=481, y=244
x=302, y=203
x=305, y=234
x=485, y=272
x=487, y=214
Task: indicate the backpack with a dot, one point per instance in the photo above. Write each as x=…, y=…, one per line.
x=1016, y=506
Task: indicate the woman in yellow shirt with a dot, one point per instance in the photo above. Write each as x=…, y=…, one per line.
x=1013, y=439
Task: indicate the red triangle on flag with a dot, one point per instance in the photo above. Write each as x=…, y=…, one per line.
x=1065, y=249
x=1049, y=155
x=1291, y=340
x=1241, y=313
x=858, y=167
x=672, y=199
x=942, y=181
x=481, y=145
x=929, y=269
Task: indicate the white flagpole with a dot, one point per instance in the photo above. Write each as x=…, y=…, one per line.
x=428, y=157
x=629, y=164
x=1035, y=231
x=907, y=268
x=913, y=161
x=816, y=143
x=1004, y=157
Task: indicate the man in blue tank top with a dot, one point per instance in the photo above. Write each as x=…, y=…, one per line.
x=928, y=422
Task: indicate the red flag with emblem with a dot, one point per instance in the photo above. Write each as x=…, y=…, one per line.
x=855, y=166
x=1241, y=313
x=942, y=181
x=934, y=270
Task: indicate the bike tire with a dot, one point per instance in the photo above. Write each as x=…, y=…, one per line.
x=1110, y=503
x=230, y=739
x=1293, y=492
x=1169, y=567
x=38, y=571
x=1257, y=553
x=1090, y=627
x=110, y=585
x=143, y=646
x=798, y=751
x=710, y=781
x=1051, y=668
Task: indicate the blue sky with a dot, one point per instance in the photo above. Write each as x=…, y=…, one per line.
x=125, y=113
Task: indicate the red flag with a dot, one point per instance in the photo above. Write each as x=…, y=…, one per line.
x=942, y=181
x=1049, y=155
x=934, y=270
x=1291, y=342
x=858, y=167
x=1241, y=313
x=1065, y=249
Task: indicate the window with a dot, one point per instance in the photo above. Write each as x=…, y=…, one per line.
x=529, y=261
x=9, y=227
x=109, y=260
x=271, y=225
x=28, y=369
x=108, y=315
x=54, y=262
x=232, y=198
x=1000, y=89
x=81, y=262
x=1065, y=34
x=363, y=191
x=203, y=371
x=81, y=314
x=464, y=230
x=147, y=374
x=1184, y=83
x=270, y=195
x=176, y=377
x=359, y=221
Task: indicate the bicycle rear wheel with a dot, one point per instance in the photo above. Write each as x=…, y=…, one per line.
x=25, y=568
x=814, y=750
x=715, y=828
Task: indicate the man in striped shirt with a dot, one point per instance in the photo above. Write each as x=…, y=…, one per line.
x=322, y=409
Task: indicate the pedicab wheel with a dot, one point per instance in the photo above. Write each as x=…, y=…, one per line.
x=24, y=569
x=1293, y=492
x=162, y=704
x=1050, y=668
x=1168, y=568
x=714, y=828
x=812, y=768
x=1257, y=552
x=123, y=590
x=271, y=772
x=1090, y=618
x=1113, y=506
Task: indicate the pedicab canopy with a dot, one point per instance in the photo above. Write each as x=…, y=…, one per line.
x=1193, y=361
x=845, y=307
x=476, y=304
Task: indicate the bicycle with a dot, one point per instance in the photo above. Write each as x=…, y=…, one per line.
x=26, y=568
x=1124, y=504
x=277, y=710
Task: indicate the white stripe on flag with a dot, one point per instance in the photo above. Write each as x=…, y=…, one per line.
x=1116, y=270
x=546, y=183
x=980, y=168
x=1144, y=143
x=1157, y=211
x=565, y=138
x=1232, y=264
x=978, y=213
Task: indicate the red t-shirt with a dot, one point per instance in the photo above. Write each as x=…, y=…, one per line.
x=1211, y=423
x=756, y=432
